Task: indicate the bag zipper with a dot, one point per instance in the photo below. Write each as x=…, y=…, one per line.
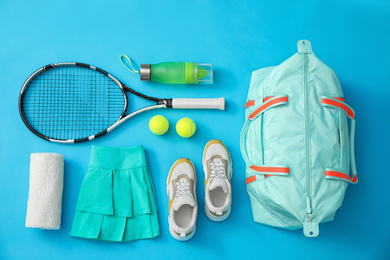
x=307, y=136
x=310, y=227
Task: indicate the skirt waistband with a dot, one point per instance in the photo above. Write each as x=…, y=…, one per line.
x=122, y=158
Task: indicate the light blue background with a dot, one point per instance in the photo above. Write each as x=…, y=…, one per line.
x=237, y=37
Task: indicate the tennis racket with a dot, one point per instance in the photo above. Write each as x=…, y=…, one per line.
x=76, y=102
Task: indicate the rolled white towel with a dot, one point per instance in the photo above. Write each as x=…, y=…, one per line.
x=45, y=194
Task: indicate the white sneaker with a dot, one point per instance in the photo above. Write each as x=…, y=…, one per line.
x=217, y=166
x=183, y=207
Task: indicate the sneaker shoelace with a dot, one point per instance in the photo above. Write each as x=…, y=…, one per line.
x=183, y=187
x=217, y=168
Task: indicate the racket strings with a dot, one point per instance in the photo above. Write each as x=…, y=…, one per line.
x=72, y=102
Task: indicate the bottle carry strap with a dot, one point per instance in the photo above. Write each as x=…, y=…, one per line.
x=266, y=170
x=131, y=65
x=339, y=103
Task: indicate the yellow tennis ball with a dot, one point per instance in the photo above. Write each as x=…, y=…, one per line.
x=185, y=127
x=158, y=125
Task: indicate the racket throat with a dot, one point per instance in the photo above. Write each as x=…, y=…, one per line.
x=166, y=102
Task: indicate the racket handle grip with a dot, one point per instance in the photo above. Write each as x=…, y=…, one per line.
x=199, y=103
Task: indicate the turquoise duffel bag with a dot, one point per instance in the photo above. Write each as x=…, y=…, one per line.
x=296, y=143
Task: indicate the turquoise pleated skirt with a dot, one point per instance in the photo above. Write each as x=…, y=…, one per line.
x=117, y=200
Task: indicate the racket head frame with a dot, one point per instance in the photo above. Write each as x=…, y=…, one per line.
x=160, y=102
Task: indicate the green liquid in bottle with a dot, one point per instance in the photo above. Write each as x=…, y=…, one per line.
x=181, y=73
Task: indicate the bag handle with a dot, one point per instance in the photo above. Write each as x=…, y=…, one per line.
x=339, y=103
x=268, y=103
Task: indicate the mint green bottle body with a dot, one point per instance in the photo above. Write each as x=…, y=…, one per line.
x=177, y=73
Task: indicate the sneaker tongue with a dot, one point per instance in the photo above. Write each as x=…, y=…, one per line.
x=184, y=200
x=219, y=182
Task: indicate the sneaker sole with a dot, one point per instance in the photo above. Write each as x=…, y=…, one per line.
x=214, y=218
x=182, y=239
